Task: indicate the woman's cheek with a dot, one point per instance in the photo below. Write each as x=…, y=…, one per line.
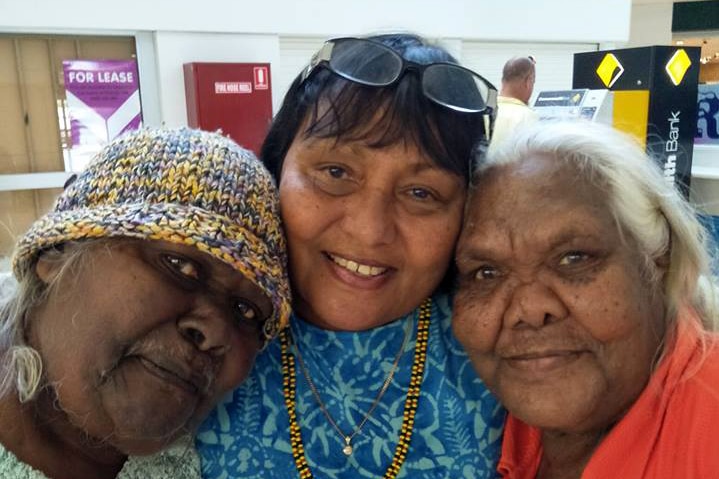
x=477, y=320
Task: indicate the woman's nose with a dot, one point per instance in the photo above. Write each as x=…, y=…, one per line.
x=370, y=218
x=534, y=304
x=208, y=328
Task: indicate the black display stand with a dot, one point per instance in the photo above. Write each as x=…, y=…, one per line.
x=671, y=75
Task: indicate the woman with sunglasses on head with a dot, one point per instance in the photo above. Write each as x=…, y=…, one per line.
x=371, y=150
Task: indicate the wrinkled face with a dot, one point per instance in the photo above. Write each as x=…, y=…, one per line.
x=371, y=231
x=143, y=339
x=555, y=308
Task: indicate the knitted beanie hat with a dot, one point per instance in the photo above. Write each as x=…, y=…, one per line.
x=183, y=186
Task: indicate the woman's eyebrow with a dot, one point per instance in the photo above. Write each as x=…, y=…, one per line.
x=482, y=249
x=474, y=252
x=571, y=235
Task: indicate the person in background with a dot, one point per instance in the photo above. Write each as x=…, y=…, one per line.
x=138, y=301
x=372, y=150
x=587, y=304
x=513, y=109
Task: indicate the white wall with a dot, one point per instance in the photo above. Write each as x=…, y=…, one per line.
x=182, y=31
x=175, y=48
x=546, y=20
x=651, y=24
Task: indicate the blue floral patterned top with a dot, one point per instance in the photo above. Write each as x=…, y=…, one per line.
x=457, y=427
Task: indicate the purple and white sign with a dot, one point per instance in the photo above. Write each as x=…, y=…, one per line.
x=103, y=101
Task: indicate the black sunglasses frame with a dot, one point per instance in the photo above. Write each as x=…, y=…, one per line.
x=323, y=56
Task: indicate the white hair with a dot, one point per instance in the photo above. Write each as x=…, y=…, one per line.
x=21, y=369
x=644, y=204
x=21, y=366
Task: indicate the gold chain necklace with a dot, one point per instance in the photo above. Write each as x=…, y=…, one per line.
x=347, y=449
x=289, y=387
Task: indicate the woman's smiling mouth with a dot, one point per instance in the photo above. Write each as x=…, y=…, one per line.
x=544, y=361
x=364, y=270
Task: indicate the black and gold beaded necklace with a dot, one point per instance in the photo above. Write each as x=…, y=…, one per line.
x=289, y=386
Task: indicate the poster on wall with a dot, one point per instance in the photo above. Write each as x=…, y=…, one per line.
x=707, y=115
x=102, y=102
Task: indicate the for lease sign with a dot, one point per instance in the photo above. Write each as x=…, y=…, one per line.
x=103, y=101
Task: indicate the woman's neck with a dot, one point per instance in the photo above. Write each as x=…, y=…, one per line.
x=50, y=444
x=564, y=456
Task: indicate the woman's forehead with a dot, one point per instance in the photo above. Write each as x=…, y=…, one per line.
x=376, y=121
x=539, y=174
x=406, y=157
x=540, y=189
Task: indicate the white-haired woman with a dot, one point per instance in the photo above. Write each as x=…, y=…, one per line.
x=586, y=305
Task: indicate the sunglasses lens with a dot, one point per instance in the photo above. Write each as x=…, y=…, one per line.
x=455, y=87
x=365, y=62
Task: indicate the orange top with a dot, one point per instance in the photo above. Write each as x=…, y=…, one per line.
x=671, y=431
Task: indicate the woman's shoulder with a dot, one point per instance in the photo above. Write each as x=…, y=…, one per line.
x=686, y=446
x=448, y=358
x=692, y=365
x=442, y=310
x=442, y=322
x=179, y=461
x=702, y=373
x=13, y=468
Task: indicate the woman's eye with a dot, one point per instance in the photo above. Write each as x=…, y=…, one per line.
x=486, y=273
x=248, y=313
x=183, y=266
x=573, y=258
x=336, y=172
x=421, y=193
x=334, y=180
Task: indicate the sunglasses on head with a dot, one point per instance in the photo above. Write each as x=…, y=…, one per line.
x=368, y=62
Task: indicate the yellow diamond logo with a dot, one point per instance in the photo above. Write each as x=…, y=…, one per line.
x=609, y=70
x=678, y=65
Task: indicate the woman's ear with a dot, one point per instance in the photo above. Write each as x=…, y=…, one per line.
x=46, y=269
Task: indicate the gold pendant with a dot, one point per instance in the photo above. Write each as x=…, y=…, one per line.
x=348, y=448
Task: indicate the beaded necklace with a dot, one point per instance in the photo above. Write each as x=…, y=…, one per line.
x=289, y=387
x=348, y=448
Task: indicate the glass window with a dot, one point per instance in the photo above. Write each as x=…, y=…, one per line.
x=34, y=125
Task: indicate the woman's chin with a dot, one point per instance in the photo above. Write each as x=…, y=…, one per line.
x=144, y=424
x=151, y=408
x=573, y=414
x=140, y=439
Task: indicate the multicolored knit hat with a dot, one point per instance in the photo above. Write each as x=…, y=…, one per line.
x=183, y=186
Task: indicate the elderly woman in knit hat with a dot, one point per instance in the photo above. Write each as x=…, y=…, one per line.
x=141, y=299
